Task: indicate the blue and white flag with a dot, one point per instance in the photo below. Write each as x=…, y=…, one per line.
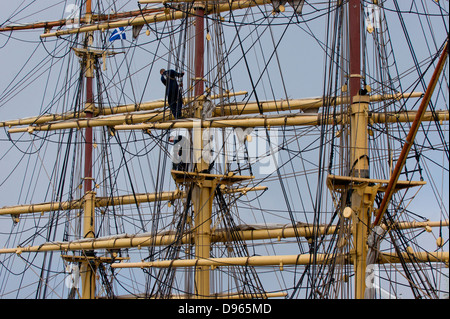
x=118, y=33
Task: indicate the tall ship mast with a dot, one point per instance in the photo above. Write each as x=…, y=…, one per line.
x=239, y=149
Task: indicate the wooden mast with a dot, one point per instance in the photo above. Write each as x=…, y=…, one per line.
x=362, y=195
x=88, y=267
x=203, y=193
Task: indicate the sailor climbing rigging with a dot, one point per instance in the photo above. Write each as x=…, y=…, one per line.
x=173, y=94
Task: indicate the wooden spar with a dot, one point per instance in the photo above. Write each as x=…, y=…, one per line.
x=411, y=136
x=111, y=201
x=163, y=239
x=408, y=225
x=283, y=260
x=147, y=106
x=159, y=1
x=299, y=104
x=118, y=242
x=99, y=202
x=47, y=25
x=227, y=295
x=266, y=121
x=173, y=15
x=228, y=109
x=124, y=122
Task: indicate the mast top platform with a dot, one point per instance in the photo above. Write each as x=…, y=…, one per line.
x=335, y=182
x=230, y=178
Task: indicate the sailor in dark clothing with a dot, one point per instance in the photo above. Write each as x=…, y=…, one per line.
x=181, y=153
x=173, y=94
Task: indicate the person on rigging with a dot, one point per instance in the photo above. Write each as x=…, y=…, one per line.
x=173, y=94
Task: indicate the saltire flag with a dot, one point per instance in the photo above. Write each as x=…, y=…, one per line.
x=118, y=33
